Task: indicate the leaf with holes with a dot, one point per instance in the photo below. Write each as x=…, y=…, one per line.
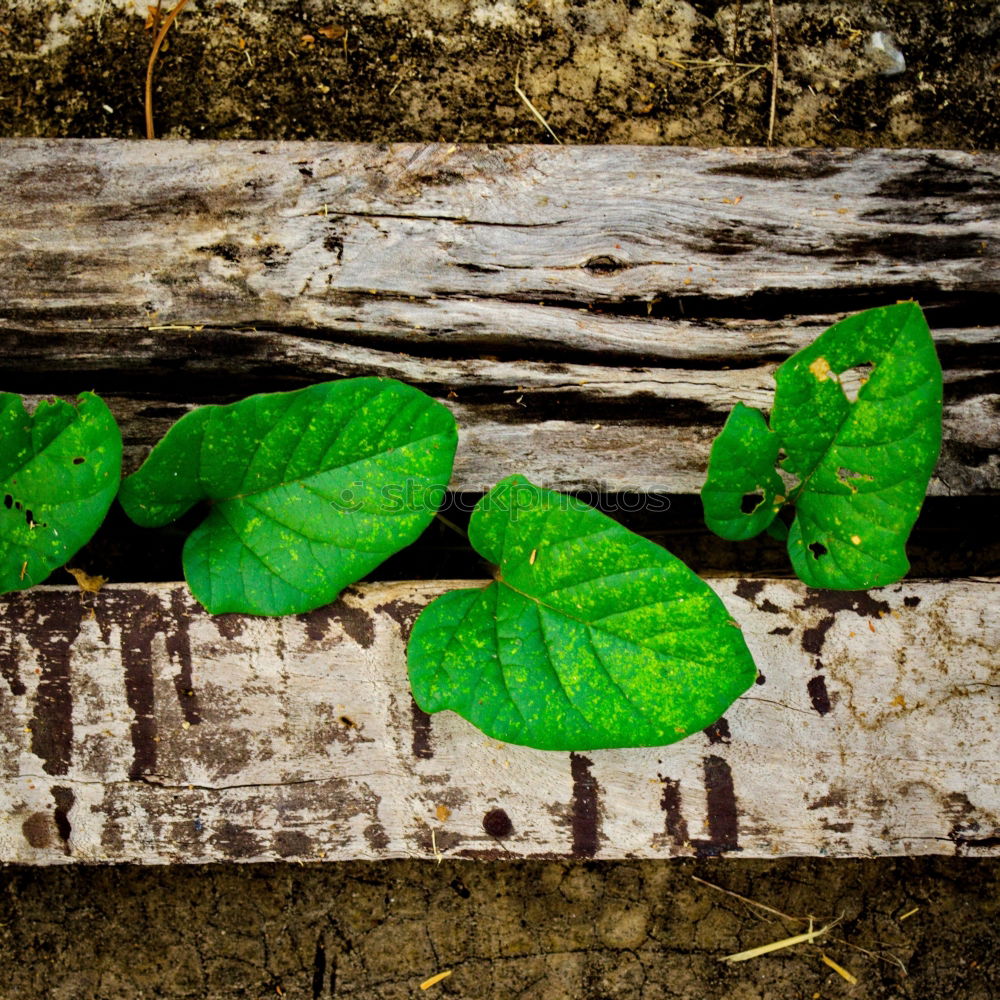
x=307, y=491
x=858, y=416
x=591, y=636
x=60, y=469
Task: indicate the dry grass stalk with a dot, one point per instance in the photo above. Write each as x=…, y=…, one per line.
x=157, y=44
x=538, y=115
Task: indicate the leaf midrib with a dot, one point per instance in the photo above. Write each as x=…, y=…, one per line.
x=321, y=472
x=581, y=621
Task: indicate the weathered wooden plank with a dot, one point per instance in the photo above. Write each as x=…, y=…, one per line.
x=133, y=727
x=622, y=296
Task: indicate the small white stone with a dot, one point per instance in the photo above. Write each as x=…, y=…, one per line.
x=882, y=51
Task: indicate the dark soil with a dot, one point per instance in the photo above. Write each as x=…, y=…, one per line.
x=598, y=71
x=536, y=931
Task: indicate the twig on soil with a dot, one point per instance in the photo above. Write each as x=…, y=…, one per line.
x=731, y=84
x=160, y=36
x=888, y=957
x=428, y=983
x=524, y=97
x=839, y=969
x=716, y=62
x=774, y=73
x=765, y=949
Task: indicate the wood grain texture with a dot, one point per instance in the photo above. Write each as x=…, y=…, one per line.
x=134, y=727
x=590, y=313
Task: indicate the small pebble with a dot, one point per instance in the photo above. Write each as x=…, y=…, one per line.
x=882, y=51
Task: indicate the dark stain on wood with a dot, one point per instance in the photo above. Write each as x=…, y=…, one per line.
x=9, y=655
x=845, y=827
x=835, y=601
x=333, y=243
x=814, y=637
x=178, y=643
x=292, y=844
x=403, y=613
x=912, y=601
x=818, y=695
x=37, y=830
x=227, y=251
x=584, y=808
x=718, y=731
x=64, y=799
x=230, y=626
x=963, y=843
x=905, y=246
x=835, y=798
x=674, y=823
x=140, y=618
x=421, y=732
x=235, y=841
x=937, y=178
x=436, y=841
x=728, y=240
x=722, y=816
x=790, y=167
x=860, y=602
x=52, y=720
x=376, y=837
x=782, y=630
x=750, y=590
x=497, y=823
x=356, y=622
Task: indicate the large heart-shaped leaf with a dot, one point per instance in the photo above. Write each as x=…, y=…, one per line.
x=60, y=468
x=862, y=465
x=591, y=636
x=309, y=490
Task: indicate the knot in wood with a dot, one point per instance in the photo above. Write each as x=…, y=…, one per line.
x=603, y=264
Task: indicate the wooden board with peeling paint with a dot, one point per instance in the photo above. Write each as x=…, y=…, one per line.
x=134, y=727
x=591, y=314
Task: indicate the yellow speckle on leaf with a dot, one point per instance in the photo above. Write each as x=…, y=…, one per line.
x=856, y=539
x=821, y=369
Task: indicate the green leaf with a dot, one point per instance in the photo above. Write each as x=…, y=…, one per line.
x=60, y=469
x=862, y=465
x=743, y=492
x=591, y=636
x=308, y=490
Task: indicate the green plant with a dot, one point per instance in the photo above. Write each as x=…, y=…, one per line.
x=307, y=490
x=59, y=472
x=858, y=469
x=590, y=636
